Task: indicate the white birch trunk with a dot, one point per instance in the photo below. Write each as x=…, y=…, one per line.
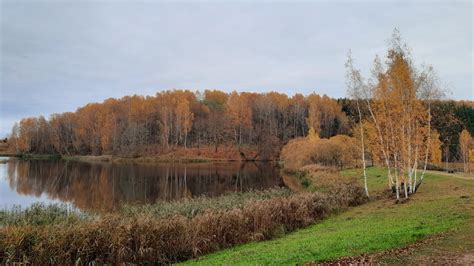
x=363, y=149
x=428, y=144
x=382, y=144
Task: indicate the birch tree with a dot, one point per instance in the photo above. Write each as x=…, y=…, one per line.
x=396, y=98
x=355, y=86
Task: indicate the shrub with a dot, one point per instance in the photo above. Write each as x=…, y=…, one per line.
x=339, y=151
x=297, y=153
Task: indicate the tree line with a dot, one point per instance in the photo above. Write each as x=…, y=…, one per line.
x=139, y=125
x=136, y=125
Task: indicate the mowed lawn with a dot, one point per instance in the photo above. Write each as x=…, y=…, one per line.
x=443, y=203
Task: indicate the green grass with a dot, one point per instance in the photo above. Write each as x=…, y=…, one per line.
x=304, y=180
x=376, y=177
x=439, y=206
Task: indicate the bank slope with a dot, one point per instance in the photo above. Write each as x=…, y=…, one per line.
x=443, y=203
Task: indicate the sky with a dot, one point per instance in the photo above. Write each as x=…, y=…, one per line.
x=59, y=55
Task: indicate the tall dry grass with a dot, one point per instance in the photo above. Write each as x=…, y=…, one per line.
x=195, y=206
x=147, y=239
x=42, y=214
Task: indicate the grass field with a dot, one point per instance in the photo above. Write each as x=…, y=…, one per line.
x=443, y=204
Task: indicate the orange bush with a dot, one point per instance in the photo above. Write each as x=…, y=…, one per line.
x=340, y=151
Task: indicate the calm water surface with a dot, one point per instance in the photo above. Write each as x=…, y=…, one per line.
x=105, y=186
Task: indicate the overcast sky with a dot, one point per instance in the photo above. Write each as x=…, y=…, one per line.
x=59, y=55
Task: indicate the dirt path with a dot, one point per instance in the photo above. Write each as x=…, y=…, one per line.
x=414, y=254
x=376, y=258
x=466, y=176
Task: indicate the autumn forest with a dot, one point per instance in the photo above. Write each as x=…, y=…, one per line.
x=182, y=119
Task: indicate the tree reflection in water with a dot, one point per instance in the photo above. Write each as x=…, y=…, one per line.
x=103, y=187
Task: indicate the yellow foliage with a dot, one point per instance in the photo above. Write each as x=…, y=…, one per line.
x=339, y=151
x=312, y=135
x=465, y=142
x=435, y=153
x=323, y=115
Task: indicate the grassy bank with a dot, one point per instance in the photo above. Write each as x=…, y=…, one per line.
x=443, y=204
x=176, y=231
x=146, y=238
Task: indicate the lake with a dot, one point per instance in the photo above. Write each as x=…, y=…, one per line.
x=103, y=187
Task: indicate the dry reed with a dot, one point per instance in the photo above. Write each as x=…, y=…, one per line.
x=147, y=239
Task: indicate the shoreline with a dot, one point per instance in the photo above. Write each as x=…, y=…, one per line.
x=140, y=159
x=225, y=153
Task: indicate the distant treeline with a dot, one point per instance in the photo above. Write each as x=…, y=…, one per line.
x=138, y=125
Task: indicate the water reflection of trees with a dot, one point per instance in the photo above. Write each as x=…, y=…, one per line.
x=104, y=186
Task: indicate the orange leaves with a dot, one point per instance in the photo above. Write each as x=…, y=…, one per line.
x=239, y=113
x=465, y=143
x=340, y=151
x=394, y=97
x=176, y=117
x=325, y=116
x=399, y=113
x=312, y=135
x=26, y=131
x=238, y=109
x=435, y=149
x=138, y=125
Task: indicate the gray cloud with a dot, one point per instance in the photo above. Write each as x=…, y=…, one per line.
x=57, y=56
